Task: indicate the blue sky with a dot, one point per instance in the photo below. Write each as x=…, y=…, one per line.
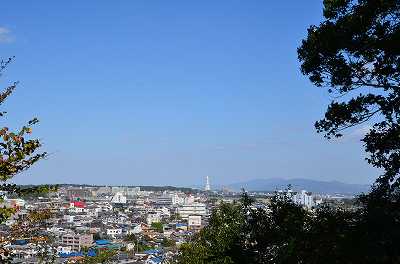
x=167, y=92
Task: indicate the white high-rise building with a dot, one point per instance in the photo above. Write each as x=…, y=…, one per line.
x=304, y=198
x=207, y=187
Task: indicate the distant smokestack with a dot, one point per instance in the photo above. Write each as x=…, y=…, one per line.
x=207, y=187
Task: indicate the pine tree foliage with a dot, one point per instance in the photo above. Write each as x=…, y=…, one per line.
x=355, y=54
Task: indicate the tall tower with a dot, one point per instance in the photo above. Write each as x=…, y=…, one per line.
x=207, y=187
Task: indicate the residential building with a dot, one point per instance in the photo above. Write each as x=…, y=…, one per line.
x=192, y=209
x=194, y=221
x=304, y=198
x=76, y=241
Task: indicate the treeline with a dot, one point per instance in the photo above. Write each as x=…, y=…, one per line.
x=142, y=187
x=287, y=233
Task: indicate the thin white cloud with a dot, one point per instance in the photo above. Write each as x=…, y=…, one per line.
x=220, y=147
x=356, y=134
x=361, y=132
x=5, y=35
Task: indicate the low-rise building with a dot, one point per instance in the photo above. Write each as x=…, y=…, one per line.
x=76, y=241
x=194, y=222
x=113, y=231
x=192, y=209
x=153, y=217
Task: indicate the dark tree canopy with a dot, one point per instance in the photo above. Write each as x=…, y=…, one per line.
x=287, y=233
x=355, y=53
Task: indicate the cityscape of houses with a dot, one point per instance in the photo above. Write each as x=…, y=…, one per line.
x=138, y=225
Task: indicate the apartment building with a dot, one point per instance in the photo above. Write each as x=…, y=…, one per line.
x=76, y=241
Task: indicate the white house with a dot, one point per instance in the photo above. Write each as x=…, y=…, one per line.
x=194, y=221
x=153, y=217
x=119, y=198
x=114, y=231
x=136, y=229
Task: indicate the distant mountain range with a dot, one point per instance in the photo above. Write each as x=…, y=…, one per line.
x=272, y=184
